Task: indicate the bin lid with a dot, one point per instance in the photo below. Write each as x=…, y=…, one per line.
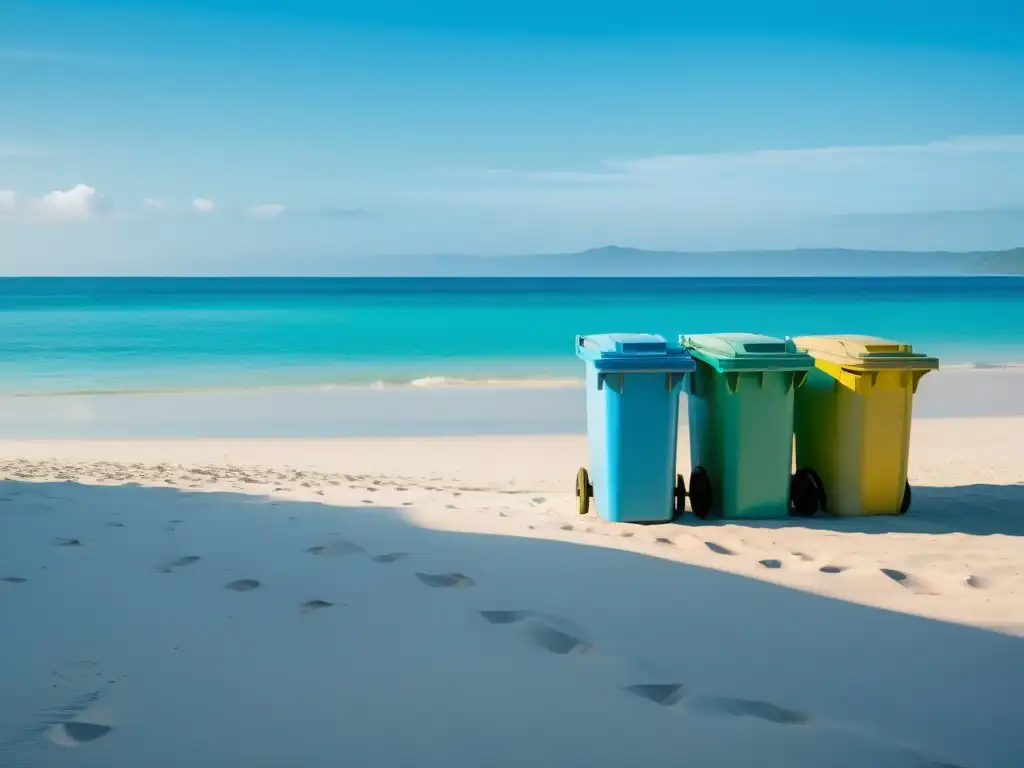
x=638, y=352
x=869, y=353
x=747, y=352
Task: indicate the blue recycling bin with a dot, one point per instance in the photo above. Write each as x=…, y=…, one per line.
x=633, y=384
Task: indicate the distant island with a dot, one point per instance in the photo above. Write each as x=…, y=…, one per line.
x=615, y=261
x=1001, y=263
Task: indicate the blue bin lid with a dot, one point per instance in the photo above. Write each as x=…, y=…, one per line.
x=638, y=352
x=747, y=352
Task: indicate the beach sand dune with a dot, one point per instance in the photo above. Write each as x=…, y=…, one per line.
x=437, y=603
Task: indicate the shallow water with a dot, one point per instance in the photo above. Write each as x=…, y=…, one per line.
x=99, y=335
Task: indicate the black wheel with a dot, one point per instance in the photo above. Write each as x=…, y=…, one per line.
x=806, y=493
x=679, y=500
x=700, y=492
x=584, y=490
x=905, y=504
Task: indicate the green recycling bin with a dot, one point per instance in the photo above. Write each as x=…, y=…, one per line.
x=741, y=425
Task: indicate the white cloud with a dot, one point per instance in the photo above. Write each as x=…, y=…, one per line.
x=154, y=203
x=569, y=177
x=266, y=211
x=626, y=170
x=8, y=200
x=79, y=203
x=962, y=145
x=203, y=204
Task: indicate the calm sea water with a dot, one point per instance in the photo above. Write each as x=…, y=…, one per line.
x=62, y=335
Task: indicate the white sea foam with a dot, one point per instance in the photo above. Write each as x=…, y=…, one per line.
x=420, y=382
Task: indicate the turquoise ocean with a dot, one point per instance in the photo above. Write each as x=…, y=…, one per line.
x=110, y=335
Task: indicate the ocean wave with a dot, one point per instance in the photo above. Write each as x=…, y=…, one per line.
x=982, y=366
x=447, y=381
x=424, y=382
x=420, y=382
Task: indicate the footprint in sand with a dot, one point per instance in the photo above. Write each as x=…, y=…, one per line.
x=663, y=540
x=71, y=724
x=504, y=617
x=76, y=732
x=310, y=606
x=718, y=549
x=555, y=641
x=538, y=500
x=336, y=548
x=390, y=557
x=566, y=527
x=670, y=694
x=771, y=564
x=832, y=568
x=898, y=576
x=560, y=642
x=907, y=581
x=803, y=556
x=760, y=710
x=665, y=695
x=446, y=580
x=180, y=562
x=978, y=582
x=243, y=585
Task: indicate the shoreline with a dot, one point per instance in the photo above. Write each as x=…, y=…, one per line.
x=404, y=411
x=423, y=382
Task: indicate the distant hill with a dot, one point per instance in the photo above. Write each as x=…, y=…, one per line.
x=1001, y=263
x=615, y=261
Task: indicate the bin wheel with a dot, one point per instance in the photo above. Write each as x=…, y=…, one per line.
x=905, y=504
x=700, y=492
x=584, y=490
x=679, y=499
x=806, y=493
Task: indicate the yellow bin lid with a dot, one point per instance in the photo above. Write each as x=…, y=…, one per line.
x=866, y=353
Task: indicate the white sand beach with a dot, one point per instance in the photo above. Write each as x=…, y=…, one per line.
x=435, y=601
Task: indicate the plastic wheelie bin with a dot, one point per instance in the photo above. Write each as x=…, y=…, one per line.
x=741, y=425
x=633, y=383
x=853, y=422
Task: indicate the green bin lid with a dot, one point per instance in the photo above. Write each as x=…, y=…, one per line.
x=747, y=352
x=867, y=353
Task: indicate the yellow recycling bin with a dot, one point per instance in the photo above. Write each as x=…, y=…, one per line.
x=852, y=422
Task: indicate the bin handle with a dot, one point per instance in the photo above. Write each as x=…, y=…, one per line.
x=796, y=380
x=601, y=377
x=672, y=379
x=916, y=379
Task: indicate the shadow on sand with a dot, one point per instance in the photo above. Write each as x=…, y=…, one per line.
x=165, y=627
x=979, y=510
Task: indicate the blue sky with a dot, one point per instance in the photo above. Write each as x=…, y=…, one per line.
x=170, y=137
